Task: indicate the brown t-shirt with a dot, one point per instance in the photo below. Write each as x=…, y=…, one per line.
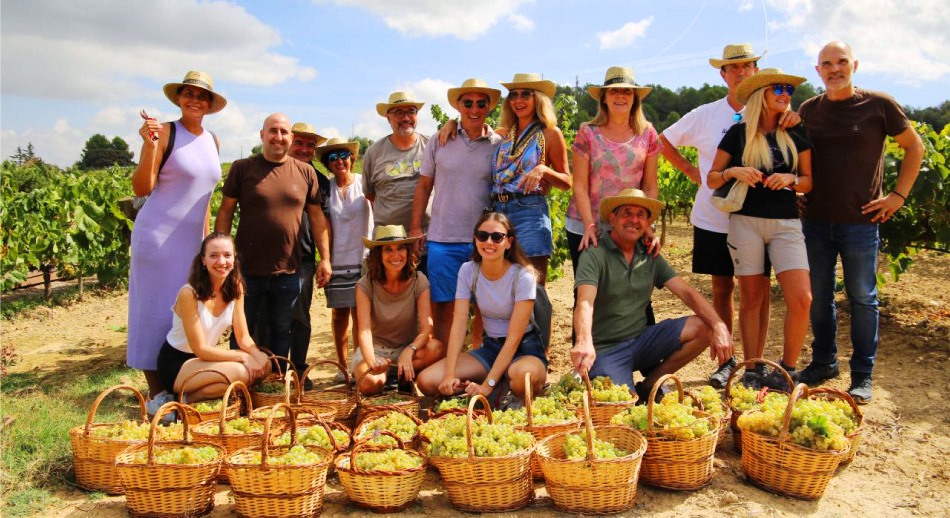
x=848, y=161
x=394, y=316
x=271, y=198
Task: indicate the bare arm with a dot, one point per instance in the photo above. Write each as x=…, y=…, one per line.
x=321, y=237
x=673, y=155
x=419, y=202
x=364, y=334
x=146, y=173
x=450, y=382
x=721, y=345
x=225, y=217
x=890, y=203
x=581, y=196
x=424, y=314
x=583, y=353
x=186, y=307
x=559, y=173
x=719, y=174
x=520, y=316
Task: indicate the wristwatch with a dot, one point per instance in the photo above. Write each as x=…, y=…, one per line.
x=491, y=383
x=414, y=348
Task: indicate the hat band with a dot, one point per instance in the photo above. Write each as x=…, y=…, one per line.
x=615, y=80
x=391, y=238
x=198, y=83
x=741, y=56
x=397, y=101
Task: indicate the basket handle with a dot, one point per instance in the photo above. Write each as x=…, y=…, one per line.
x=381, y=410
x=364, y=443
x=470, y=416
x=102, y=395
x=590, y=389
x=800, y=391
x=321, y=422
x=752, y=363
x=169, y=407
x=338, y=365
x=694, y=397
x=184, y=384
x=653, y=390
x=273, y=358
x=588, y=425
x=291, y=374
x=227, y=395
x=265, y=438
x=527, y=397
x=838, y=394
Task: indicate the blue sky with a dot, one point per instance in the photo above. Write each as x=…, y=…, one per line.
x=72, y=69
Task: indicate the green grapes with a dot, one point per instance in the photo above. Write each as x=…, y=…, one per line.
x=295, y=456
x=205, y=407
x=814, y=423
x=710, y=399
x=184, y=455
x=263, y=412
x=544, y=411
x=390, y=459
x=137, y=431
x=395, y=422
x=270, y=387
x=389, y=399
x=570, y=389
x=238, y=426
x=671, y=416
x=315, y=436
x=575, y=447
x=744, y=398
x=451, y=403
x=447, y=438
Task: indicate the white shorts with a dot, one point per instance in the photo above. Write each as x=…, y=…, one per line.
x=380, y=352
x=750, y=237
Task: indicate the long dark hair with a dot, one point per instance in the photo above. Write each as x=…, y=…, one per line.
x=376, y=271
x=514, y=253
x=199, y=279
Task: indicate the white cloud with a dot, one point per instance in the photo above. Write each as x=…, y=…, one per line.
x=624, y=36
x=746, y=5
x=464, y=19
x=904, y=40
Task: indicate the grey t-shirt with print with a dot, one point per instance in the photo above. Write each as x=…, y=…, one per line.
x=391, y=174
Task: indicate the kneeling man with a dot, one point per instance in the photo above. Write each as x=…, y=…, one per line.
x=614, y=283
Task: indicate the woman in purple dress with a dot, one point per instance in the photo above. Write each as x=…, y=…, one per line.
x=170, y=226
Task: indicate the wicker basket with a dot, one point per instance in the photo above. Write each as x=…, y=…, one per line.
x=168, y=489
x=231, y=442
x=486, y=484
x=780, y=466
x=854, y=437
x=367, y=406
x=264, y=489
x=734, y=418
x=431, y=414
x=380, y=413
x=672, y=463
x=94, y=457
x=724, y=421
x=381, y=491
x=592, y=486
x=541, y=431
x=276, y=376
x=343, y=399
x=602, y=411
x=233, y=409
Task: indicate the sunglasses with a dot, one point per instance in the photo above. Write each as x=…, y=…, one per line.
x=338, y=155
x=496, y=237
x=402, y=113
x=521, y=94
x=468, y=103
x=780, y=89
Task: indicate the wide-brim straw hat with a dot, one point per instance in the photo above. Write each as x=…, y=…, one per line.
x=474, y=85
x=389, y=235
x=398, y=100
x=765, y=77
x=740, y=53
x=302, y=128
x=199, y=80
x=619, y=77
x=630, y=197
x=531, y=82
x=338, y=143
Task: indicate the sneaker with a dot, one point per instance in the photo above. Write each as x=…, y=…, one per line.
x=339, y=379
x=775, y=380
x=514, y=403
x=156, y=403
x=721, y=376
x=392, y=378
x=860, y=387
x=816, y=373
x=752, y=379
x=308, y=384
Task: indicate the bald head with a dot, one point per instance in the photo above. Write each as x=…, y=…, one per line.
x=276, y=137
x=836, y=47
x=836, y=64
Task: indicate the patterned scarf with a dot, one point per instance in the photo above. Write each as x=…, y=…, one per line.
x=516, y=157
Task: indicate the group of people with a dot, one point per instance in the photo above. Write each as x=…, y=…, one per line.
x=449, y=234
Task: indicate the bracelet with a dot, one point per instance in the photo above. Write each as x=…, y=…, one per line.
x=901, y=195
x=723, y=173
x=591, y=225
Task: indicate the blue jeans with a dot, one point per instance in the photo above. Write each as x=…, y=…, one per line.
x=532, y=221
x=300, y=322
x=857, y=244
x=281, y=292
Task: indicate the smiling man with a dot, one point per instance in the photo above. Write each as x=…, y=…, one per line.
x=614, y=283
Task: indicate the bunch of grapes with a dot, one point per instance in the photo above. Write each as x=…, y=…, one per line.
x=182, y=455
x=571, y=389
x=137, y=431
x=390, y=459
x=238, y=426
x=447, y=438
x=315, y=436
x=670, y=415
x=298, y=455
x=744, y=398
x=395, y=422
x=451, y=403
x=389, y=399
x=711, y=402
x=545, y=410
x=270, y=387
x=575, y=447
x=264, y=411
x=814, y=423
x=204, y=407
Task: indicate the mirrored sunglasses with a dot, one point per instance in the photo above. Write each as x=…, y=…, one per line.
x=778, y=89
x=338, y=155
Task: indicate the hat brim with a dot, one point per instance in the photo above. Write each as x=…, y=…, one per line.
x=494, y=95
x=760, y=80
x=369, y=243
x=383, y=108
x=352, y=147
x=719, y=63
x=610, y=204
x=320, y=138
x=218, y=102
x=548, y=88
x=641, y=91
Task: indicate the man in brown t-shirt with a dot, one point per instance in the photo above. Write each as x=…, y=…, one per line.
x=273, y=191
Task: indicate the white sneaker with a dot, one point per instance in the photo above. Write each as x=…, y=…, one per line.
x=153, y=406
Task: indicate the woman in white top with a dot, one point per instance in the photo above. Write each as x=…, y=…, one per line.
x=212, y=301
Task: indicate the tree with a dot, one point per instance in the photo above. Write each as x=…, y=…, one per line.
x=26, y=156
x=256, y=150
x=100, y=153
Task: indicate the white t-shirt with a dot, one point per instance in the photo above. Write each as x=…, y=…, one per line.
x=494, y=297
x=703, y=129
x=352, y=220
x=212, y=326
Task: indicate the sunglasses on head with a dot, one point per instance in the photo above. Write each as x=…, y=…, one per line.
x=496, y=237
x=778, y=89
x=338, y=155
x=468, y=103
x=521, y=94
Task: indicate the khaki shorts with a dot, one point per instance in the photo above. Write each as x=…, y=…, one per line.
x=380, y=352
x=750, y=237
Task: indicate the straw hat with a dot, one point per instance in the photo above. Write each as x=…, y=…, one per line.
x=532, y=82
x=740, y=53
x=338, y=143
x=398, y=100
x=302, y=128
x=630, y=197
x=474, y=85
x=389, y=235
x=619, y=77
x=765, y=77
x=200, y=80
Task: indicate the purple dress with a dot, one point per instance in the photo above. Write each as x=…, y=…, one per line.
x=166, y=236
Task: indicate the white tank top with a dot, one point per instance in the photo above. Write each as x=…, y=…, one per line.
x=212, y=326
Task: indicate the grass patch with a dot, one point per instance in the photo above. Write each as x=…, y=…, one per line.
x=28, y=502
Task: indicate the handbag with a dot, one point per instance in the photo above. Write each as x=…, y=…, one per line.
x=730, y=196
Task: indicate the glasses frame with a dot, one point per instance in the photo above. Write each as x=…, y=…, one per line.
x=523, y=94
x=779, y=89
x=496, y=237
x=399, y=113
x=333, y=156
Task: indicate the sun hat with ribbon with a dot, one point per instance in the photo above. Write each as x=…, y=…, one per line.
x=398, y=100
x=739, y=53
x=630, y=197
x=199, y=80
x=532, y=82
x=338, y=143
x=389, y=235
x=765, y=77
x=619, y=77
x=302, y=128
x=474, y=85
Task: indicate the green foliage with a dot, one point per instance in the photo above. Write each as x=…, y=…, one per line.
x=26, y=156
x=676, y=190
x=935, y=116
x=99, y=153
x=365, y=143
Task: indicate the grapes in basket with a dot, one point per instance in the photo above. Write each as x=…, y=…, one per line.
x=544, y=411
x=460, y=402
x=179, y=455
x=446, y=437
x=670, y=415
x=238, y=426
x=745, y=398
x=395, y=422
x=315, y=436
x=575, y=447
x=297, y=455
x=137, y=431
x=390, y=398
x=270, y=387
x=204, y=407
x=570, y=389
x=817, y=424
x=390, y=459
x=708, y=396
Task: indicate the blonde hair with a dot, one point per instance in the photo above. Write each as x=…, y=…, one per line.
x=638, y=122
x=543, y=112
x=757, y=152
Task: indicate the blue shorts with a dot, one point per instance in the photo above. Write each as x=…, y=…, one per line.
x=642, y=353
x=444, y=264
x=530, y=346
x=532, y=221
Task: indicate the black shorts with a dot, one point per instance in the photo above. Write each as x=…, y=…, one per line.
x=170, y=361
x=711, y=254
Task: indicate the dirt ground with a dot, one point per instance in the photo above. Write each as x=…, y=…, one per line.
x=901, y=468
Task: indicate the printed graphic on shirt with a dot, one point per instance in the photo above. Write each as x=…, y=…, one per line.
x=403, y=168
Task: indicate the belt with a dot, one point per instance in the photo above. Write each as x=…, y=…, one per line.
x=507, y=196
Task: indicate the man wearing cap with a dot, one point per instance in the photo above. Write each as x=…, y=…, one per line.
x=460, y=171
x=848, y=127
x=614, y=283
x=392, y=165
x=273, y=191
x=703, y=128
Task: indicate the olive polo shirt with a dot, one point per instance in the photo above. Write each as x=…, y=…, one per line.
x=623, y=290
